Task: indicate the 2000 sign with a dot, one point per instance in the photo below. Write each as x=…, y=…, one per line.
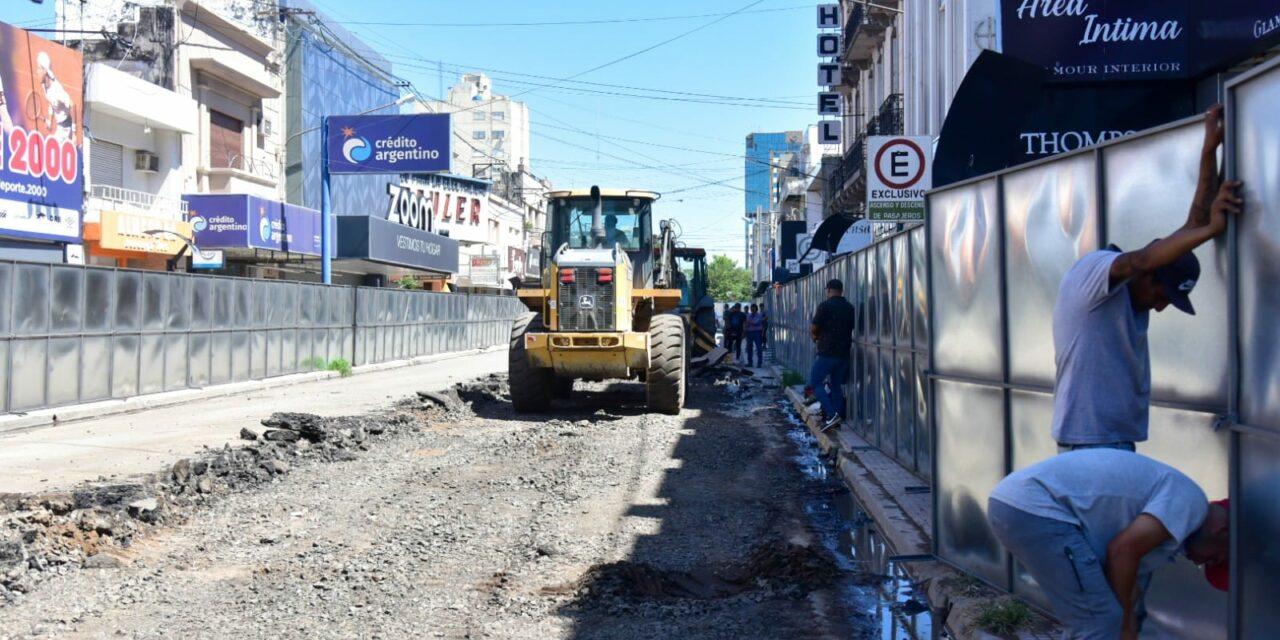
x=31, y=153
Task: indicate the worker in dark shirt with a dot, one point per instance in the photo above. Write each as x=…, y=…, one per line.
x=735, y=321
x=832, y=331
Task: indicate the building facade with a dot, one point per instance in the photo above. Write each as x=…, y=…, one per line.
x=766, y=157
x=184, y=97
x=491, y=132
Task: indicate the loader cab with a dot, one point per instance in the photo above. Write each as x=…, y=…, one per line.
x=691, y=264
x=628, y=223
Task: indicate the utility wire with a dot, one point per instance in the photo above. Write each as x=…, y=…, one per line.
x=641, y=51
x=430, y=65
x=568, y=22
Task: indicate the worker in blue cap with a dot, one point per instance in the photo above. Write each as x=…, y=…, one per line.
x=1102, y=391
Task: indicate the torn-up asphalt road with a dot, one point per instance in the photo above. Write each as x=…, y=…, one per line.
x=596, y=521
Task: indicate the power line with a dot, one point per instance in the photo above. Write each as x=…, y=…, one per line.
x=568, y=22
x=431, y=65
x=647, y=49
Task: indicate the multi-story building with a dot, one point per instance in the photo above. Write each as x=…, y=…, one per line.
x=185, y=97
x=766, y=157
x=901, y=64
x=491, y=131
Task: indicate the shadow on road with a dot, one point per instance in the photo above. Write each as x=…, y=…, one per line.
x=730, y=557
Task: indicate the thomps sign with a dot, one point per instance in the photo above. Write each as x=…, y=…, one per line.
x=1088, y=40
x=389, y=144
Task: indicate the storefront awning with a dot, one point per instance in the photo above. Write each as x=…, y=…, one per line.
x=119, y=234
x=383, y=242
x=828, y=234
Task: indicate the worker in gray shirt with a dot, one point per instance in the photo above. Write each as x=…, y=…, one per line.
x=1102, y=391
x=1090, y=526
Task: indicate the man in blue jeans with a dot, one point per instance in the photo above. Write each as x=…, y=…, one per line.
x=832, y=332
x=1091, y=526
x=1102, y=391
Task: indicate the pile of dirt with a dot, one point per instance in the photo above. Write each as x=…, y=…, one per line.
x=489, y=390
x=773, y=566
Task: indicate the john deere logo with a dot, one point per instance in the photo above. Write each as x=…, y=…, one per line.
x=586, y=302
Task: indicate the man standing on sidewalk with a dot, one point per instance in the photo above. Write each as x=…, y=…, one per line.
x=734, y=323
x=1090, y=526
x=754, y=328
x=1103, y=387
x=832, y=332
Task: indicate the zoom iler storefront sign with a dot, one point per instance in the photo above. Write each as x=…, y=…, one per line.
x=1092, y=40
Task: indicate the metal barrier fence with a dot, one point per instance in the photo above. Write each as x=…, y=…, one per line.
x=885, y=397
x=997, y=248
x=71, y=334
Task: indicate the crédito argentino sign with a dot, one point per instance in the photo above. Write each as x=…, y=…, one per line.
x=417, y=143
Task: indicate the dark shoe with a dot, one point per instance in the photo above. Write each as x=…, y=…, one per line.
x=832, y=422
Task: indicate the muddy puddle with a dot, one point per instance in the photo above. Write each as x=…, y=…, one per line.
x=881, y=600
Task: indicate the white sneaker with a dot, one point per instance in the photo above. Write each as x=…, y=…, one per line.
x=815, y=407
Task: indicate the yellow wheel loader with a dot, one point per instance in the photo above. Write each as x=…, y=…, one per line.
x=605, y=304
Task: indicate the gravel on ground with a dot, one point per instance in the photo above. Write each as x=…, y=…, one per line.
x=445, y=516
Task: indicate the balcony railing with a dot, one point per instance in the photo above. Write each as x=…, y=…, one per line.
x=851, y=25
x=851, y=163
x=139, y=201
x=889, y=121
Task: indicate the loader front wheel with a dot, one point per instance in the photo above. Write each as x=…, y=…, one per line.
x=664, y=380
x=531, y=386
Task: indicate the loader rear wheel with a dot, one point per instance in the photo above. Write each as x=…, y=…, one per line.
x=664, y=380
x=531, y=386
x=563, y=388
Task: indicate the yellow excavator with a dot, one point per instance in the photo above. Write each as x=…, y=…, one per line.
x=605, y=306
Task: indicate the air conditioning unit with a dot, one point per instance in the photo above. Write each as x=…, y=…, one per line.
x=146, y=161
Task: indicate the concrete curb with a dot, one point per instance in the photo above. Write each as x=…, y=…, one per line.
x=878, y=487
x=44, y=417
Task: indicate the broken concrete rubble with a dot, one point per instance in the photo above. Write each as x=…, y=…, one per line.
x=41, y=532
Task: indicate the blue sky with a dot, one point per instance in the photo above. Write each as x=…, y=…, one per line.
x=767, y=51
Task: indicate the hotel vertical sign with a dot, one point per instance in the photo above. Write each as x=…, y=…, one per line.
x=829, y=47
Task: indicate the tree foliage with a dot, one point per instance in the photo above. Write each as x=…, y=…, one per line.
x=727, y=281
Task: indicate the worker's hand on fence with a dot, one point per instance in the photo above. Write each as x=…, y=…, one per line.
x=1226, y=204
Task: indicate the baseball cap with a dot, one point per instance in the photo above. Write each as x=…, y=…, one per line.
x=835, y=285
x=1219, y=573
x=1177, y=279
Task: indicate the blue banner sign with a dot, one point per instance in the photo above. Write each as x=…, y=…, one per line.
x=389, y=144
x=238, y=221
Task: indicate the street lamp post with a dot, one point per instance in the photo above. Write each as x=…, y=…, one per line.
x=172, y=263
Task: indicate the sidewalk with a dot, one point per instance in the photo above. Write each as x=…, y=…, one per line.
x=900, y=504
x=58, y=456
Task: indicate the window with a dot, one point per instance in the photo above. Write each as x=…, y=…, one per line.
x=499, y=115
x=498, y=135
x=626, y=221
x=477, y=135
x=226, y=141
x=477, y=115
x=106, y=163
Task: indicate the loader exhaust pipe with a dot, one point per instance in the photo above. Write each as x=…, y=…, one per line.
x=597, y=221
